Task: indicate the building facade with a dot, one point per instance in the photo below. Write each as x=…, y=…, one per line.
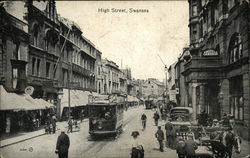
x=217, y=72
x=152, y=87
x=172, y=92
x=45, y=51
x=180, y=86
x=111, y=72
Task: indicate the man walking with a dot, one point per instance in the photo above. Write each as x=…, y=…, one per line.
x=70, y=125
x=53, y=122
x=143, y=120
x=168, y=127
x=62, y=145
x=156, y=118
x=160, y=137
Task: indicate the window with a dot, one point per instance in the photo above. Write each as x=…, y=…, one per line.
x=35, y=36
x=16, y=51
x=232, y=3
x=14, y=77
x=47, y=69
x=54, y=71
x=33, y=66
x=194, y=10
x=235, y=48
x=99, y=71
x=236, y=97
x=216, y=12
x=38, y=67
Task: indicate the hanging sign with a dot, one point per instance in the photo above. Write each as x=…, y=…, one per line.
x=29, y=90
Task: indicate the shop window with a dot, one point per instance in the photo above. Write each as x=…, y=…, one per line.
x=236, y=97
x=47, y=69
x=14, y=77
x=235, y=48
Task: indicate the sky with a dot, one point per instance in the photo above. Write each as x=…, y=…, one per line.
x=133, y=39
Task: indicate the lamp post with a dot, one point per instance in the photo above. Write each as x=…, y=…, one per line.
x=60, y=96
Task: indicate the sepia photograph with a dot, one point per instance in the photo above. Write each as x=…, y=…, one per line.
x=125, y=79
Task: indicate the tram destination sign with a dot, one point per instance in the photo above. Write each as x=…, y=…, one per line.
x=210, y=52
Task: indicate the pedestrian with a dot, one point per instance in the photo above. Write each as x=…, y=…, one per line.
x=53, y=122
x=70, y=125
x=190, y=146
x=229, y=141
x=156, y=118
x=62, y=145
x=144, y=121
x=82, y=115
x=160, y=137
x=137, y=146
x=172, y=137
x=168, y=128
x=180, y=148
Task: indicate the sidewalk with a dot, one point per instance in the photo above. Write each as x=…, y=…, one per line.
x=23, y=136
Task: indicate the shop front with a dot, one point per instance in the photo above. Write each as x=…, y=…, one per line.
x=21, y=112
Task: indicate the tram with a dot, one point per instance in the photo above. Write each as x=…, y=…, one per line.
x=105, y=115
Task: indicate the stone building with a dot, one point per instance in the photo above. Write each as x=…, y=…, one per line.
x=44, y=49
x=14, y=41
x=172, y=83
x=217, y=73
x=47, y=52
x=152, y=87
x=99, y=73
x=111, y=70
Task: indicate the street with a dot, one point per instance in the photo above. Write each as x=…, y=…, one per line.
x=81, y=144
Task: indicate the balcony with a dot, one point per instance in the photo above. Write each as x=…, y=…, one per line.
x=203, y=63
x=81, y=70
x=41, y=81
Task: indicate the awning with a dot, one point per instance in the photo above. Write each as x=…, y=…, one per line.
x=77, y=98
x=13, y=101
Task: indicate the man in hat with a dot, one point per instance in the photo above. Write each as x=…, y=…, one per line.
x=190, y=146
x=143, y=120
x=160, y=137
x=62, y=145
x=156, y=118
x=137, y=146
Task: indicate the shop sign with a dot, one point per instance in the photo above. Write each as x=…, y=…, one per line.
x=210, y=52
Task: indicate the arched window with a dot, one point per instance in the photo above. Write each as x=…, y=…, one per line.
x=235, y=48
x=35, y=35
